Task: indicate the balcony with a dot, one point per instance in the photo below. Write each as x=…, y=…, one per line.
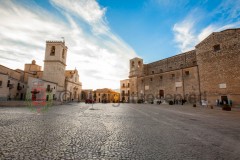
x=10, y=86
x=125, y=94
x=19, y=88
x=49, y=90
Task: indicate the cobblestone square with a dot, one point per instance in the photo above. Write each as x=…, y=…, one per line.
x=128, y=131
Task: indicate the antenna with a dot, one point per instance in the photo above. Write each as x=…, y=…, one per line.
x=63, y=39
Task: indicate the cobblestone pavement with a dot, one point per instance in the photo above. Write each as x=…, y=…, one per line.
x=129, y=131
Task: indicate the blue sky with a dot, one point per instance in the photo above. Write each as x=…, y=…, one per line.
x=148, y=25
x=102, y=35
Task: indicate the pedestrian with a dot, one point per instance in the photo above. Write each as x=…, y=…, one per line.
x=184, y=101
x=230, y=103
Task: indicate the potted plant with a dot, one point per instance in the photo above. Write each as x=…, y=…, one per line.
x=226, y=107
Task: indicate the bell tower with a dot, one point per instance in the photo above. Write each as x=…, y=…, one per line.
x=136, y=67
x=55, y=62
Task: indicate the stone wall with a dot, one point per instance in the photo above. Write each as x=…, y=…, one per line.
x=209, y=72
x=176, y=84
x=218, y=57
x=187, y=59
x=12, y=73
x=125, y=90
x=16, y=88
x=55, y=64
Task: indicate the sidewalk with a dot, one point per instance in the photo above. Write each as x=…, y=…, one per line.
x=190, y=106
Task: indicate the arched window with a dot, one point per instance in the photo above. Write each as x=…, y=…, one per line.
x=52, y=53
x=139, y=64
x=133, y=64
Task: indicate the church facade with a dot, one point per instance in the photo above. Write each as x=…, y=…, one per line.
x=53, y=82
x=209, y=73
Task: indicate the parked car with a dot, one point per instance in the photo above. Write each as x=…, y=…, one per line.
x=89, y=101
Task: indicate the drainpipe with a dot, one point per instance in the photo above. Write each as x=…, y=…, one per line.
x=199, y=85
x=183, y=85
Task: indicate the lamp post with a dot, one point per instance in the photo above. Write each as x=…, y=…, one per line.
x=91, y=97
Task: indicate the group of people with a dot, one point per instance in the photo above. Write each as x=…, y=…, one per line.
x=179, y=101
x=222, y=102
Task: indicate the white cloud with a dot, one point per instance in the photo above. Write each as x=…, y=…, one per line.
x=87, y=10
x=100, y=56
x=184, y=35
x=206, y=32
x=187, y=33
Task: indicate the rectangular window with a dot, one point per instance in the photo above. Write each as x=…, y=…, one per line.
x=173, y=75
x=187, y=73
x=151, y=79
x=48, y=87
x=152, y=72
x=0, y=83
x=161, y=77
x=216, y=47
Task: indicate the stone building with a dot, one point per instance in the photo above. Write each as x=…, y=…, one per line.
x=59, y=83
x=12, y=86
x=55, y=63
x=218, y=58
x=87, y=94
x=72, y=84
x=63, y=84
x=125, y=90
x=209, y=72
x=106, y=95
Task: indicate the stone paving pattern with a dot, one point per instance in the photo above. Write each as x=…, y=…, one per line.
x=129, y=131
